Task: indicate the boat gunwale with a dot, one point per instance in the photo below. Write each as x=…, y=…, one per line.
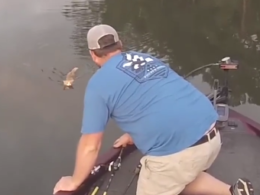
x=251, y=124
x=103, y=159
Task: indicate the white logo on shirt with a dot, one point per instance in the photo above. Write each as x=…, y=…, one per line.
x=136, y=61
x=143, y=67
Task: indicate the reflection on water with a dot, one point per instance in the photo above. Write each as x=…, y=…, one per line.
x=186, y=34
x=40, y=123
x=85, y=15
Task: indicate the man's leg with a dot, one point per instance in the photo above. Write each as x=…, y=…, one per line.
x=183, y=173
x=206, y=184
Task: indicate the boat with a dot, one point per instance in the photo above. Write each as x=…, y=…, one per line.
x=116, y=172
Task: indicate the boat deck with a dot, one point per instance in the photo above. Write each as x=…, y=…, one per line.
x=239, y=157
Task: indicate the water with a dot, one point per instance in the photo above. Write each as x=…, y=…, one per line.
x=40, y=123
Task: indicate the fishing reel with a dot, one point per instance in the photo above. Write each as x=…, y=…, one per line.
x=228, y=64
x=114, y=165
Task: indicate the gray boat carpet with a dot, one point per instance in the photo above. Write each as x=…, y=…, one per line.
x=239, y=157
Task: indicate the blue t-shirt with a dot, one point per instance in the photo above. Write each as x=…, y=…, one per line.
x=162, y=112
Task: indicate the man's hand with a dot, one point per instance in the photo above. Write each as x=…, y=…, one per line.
x=65, y=184
x=123, y=141
x=87, y=153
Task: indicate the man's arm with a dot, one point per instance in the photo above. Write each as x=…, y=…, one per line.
x=95, y=118
x=87, y=153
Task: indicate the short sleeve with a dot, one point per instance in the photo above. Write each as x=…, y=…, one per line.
x=95, y=113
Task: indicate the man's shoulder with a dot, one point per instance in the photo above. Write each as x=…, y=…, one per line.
x=96, y=80
x=104, y=82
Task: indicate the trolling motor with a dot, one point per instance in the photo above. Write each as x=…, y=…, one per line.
x=228, y=64
x=225, y=64
x=222, y=109
x=220, y=95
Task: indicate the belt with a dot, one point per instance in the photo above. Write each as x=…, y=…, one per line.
x=209, y=136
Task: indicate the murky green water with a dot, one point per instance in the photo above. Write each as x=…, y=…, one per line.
x=40, y=123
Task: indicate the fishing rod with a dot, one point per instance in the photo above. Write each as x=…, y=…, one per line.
x=136, y=174
x=98, y=185
x=113, y=167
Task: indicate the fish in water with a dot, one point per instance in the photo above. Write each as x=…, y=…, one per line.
x=66, y=80
x=70, y=78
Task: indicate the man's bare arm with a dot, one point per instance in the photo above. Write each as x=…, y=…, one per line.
x=87, y=153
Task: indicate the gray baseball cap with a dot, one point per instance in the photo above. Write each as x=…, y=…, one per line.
x=99, y=31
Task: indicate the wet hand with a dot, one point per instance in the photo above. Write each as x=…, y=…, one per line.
x=65, y=184
x=123, y=141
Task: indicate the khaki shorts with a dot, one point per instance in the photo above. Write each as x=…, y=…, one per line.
x=168, y=175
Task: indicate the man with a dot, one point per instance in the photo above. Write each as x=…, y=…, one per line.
x=170, y=122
